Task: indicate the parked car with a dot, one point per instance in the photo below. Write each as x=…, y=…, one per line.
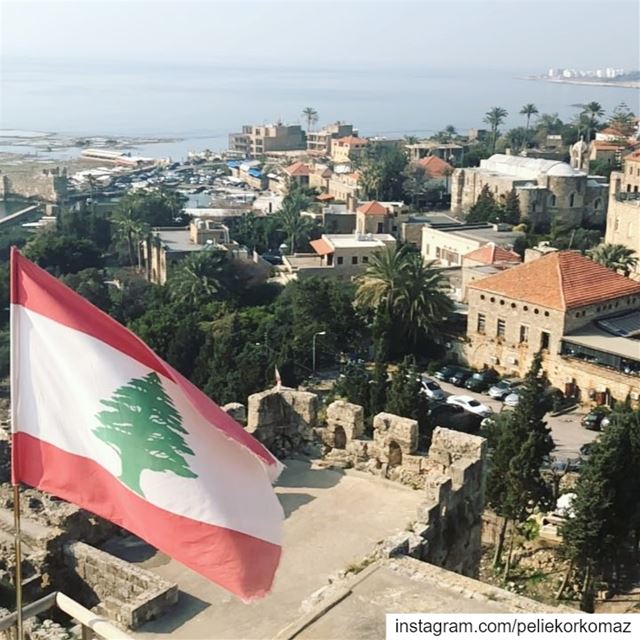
x=431, y=389
x=460, y=376
x=502, y=389
x=513, y=399
x=272, y=259
x=470, y=404
x=481, y=381
x=445, y=372
x=452, y=416
x=561, y=465
x=596, y=419
x=585, y=450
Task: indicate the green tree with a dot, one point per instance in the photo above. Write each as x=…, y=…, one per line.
x=408, y=296
x=606, y=509
x=353, y=384
x=520, y=441
x=142, y=425
x=614, y=256
x=90, y=284
x=510, y=209
x=592, y=112
x=528, y=110
x=310, y=115
x=200, y=278
x=623, y=120
x=405, y=399
x=494, y=118
x=61, y=254
x=157, y=208
x=382, y=172
x=485, y=208
x=378, y=387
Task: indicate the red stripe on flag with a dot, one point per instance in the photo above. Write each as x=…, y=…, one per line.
x=37, y=290
x=238, y=562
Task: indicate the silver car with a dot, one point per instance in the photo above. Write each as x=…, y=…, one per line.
x=502, y=389
x=431, y=389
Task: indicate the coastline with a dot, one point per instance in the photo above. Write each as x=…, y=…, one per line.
x=626, y=84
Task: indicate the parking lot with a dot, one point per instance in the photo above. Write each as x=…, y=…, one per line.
x=568, y=434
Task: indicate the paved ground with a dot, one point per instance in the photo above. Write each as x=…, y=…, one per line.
x=333, y=519
x=568, y=434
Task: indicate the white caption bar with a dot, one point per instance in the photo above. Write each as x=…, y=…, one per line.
x=465, y=626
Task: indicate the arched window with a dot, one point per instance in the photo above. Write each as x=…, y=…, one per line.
x=597, y=203
x=552, y=200
x=572, y=200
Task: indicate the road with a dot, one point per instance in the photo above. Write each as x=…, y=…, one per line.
x=568, y=434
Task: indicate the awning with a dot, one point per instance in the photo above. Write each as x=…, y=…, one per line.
x=321, y=247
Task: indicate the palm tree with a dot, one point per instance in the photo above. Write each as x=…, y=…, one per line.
x=199, y=278
x=292, y=224
x=451, y=131
x=495, y=117
x=592, y=111
x=528, y=110
x=411, y=139
x=310, y=115
x=614, y=256
x=401, y=285
x=131, y=232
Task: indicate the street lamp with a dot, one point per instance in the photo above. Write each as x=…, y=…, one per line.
x=315, y=335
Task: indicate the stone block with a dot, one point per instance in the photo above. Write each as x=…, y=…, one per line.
x=438, y=489
x=389, y=428
x=348, y=416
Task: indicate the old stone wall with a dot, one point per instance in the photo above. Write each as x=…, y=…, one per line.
x=129, y=595
x=282, y=419
x=50, y=185
x=448, y=525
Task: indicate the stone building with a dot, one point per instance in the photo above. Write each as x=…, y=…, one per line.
x=344, y=187
x=380, y=217
x=582, y=316
x=345, y=149
x=50, y=185
x=623, y=213
x=547, y=189
x=256, y=140
x=486, y=261
x=319, y=142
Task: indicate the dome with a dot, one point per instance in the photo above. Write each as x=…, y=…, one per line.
x=562, y=170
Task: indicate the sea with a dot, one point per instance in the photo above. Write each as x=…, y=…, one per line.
x=201, y=104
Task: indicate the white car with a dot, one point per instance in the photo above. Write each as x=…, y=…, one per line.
x=470, y=404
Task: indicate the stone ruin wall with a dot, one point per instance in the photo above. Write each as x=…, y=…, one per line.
x=50, y=185
x=126, y=594
x=448, y=525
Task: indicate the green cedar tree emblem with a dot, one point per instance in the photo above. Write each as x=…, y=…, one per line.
x=143, y=426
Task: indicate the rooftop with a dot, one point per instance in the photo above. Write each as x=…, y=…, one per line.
x=487, y=234
x=561, y=280
x=351, y=140
x=435, y=167
x=352, y=240
x=176, y=239
x=372, y=208
x=618, y=336
x=404, y=585
x=492, y=253
x=298, y=169
x=526, y=168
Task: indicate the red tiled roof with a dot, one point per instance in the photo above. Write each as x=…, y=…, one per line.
x=610, y=131
x=351, y=140
x=633, y=157
x=324, y=197
x=372, y=208
x=298, y=169
x=435, y=167
x=603, y=144
x=490, y=254
x=321, y=247
x=561, y=280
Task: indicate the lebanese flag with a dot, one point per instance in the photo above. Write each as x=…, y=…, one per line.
x=99, y=420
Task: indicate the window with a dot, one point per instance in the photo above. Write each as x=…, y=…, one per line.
x=597, y=204
x=340, y=259
x=365, y=259
x=572, y=200
x=380, y=227
x=354, y=259
x=437, y=252
x=502, y=328
x=552, y=200
x=545, y=340
x=482, y=321
x=524, y=333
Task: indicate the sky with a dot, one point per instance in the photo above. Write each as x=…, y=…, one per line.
x=491, y=34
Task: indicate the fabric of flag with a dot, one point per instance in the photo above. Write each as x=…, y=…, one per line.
x=278, y=378
x=101, y=421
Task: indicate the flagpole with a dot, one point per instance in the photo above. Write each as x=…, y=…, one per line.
x=18, y=547
x=14, y=478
